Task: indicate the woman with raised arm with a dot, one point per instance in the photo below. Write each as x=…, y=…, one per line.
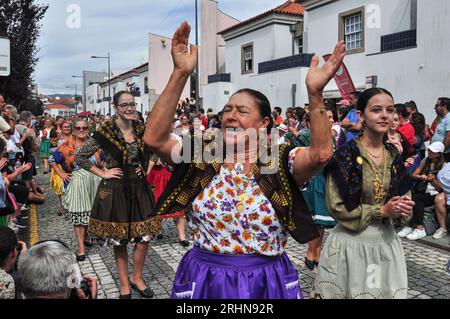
x=241, y=210
x=367, y=189
x=123, y=210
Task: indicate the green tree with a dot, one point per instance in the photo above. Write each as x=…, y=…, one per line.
x=20, y=22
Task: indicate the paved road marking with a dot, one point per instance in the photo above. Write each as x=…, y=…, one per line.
x=33, y=225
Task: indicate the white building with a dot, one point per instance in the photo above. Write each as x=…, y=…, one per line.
x=133, y=81
x=213, y=52
x=397, y=44
x=263, y=53
x=58, y=110
x=160, y=68
x=403, y=44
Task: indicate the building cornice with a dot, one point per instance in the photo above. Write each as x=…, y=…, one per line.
x=310, y=5
x=274, y=18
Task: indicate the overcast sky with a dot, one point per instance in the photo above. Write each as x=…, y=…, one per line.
x=120, y=27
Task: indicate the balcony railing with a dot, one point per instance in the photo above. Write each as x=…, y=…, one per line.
x=295, y=61
x=219, y=77
x=400, y=40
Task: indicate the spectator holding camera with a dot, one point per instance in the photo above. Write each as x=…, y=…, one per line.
x=10, y=248
x=425, y=191
x=48, y=270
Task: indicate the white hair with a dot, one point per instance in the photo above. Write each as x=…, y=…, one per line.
x=45, y=269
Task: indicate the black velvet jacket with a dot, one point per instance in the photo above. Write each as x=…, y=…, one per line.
x=347, y=174
x=189, y=179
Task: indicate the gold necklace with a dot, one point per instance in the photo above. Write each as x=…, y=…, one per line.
x=374, y=156
x=378, y=186
x=241, y=191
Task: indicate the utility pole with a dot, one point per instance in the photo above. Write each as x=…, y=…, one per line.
x=197, y=75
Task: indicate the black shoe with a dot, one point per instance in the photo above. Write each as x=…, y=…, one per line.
x=125, y=296
x=316, y=263
x=159, y=236
x=81, y=257
x=309, y=264
x=146, y=293
x=184, y=243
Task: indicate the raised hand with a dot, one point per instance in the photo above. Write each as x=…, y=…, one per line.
x=184, y=60
x=318, y=77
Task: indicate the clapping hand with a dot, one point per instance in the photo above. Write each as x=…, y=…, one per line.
x=398, y=207
x=318, y=77
x=184, y=60
x=25, y=167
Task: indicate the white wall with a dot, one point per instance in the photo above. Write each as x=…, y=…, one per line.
x=215, y=97
x=160, y=67
x=400, y=72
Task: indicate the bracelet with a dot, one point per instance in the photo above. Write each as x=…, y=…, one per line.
x=321, y=108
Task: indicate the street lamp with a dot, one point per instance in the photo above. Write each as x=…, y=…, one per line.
x=109, y=78
x=83, y=98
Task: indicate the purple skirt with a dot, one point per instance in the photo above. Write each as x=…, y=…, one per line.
x=206, y=275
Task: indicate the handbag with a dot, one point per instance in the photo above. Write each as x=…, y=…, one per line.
x=421, y=187
x=10, y=205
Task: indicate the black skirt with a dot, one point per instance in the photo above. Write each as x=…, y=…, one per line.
x=124, y=211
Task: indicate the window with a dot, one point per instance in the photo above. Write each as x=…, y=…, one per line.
x=351, y=30
x=247, y=58
x=146, y=85
x=300, y=44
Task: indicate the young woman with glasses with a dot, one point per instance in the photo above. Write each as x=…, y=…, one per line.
x=123, y=210
x=79, y=186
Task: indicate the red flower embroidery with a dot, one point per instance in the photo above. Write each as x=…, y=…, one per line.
x=227, y=218
x=238, y=250
x=230, y=192
x=220, y=226
x=225, y=243
x=266, y=221
x=215, y=249
x=246, y=235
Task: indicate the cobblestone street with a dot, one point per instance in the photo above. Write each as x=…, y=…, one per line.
x=427, y=267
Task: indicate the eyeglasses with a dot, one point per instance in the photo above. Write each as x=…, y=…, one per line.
x=66, y=127
x=125, y=106
x=81, y=128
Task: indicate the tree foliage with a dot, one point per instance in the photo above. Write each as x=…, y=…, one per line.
x=20, y=22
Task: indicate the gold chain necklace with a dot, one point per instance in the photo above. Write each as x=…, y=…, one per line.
x=378, y=185
x=242, y=196
x=374, y=156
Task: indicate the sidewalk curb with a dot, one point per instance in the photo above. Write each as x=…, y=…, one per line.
x=434, y=245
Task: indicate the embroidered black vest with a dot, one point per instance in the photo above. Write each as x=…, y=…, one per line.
x=190, y=179
x=347, y=174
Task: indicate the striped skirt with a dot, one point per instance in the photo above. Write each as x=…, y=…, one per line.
x=79, y=196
